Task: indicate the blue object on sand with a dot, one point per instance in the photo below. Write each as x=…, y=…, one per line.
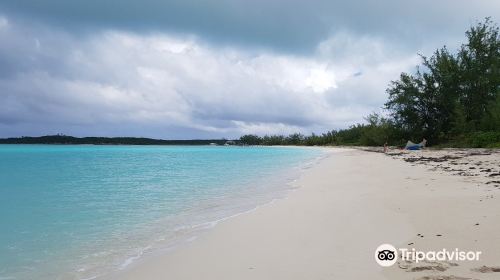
x=413, y=148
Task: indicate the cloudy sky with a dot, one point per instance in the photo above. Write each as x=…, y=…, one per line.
x=198, y=68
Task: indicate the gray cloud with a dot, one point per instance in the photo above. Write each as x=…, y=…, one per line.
x=157, y=84
x=281, y=24
x=185, y=69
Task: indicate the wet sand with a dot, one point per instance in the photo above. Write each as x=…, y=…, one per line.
x=342, y=209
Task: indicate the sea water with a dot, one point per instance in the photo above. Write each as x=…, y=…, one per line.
x=82, y=212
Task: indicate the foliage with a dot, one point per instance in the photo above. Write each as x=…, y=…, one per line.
x=70, y=140
x=451, y=95
x=452, y=98
x=250, y=139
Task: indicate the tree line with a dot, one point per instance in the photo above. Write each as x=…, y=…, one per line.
x=70, y=140
x=452, y=99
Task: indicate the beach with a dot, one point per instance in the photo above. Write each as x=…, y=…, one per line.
x=340, y=211
x=249, y=140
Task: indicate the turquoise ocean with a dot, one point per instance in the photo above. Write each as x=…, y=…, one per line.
x=82, y=212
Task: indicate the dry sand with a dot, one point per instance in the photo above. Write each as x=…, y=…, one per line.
x=343, y=209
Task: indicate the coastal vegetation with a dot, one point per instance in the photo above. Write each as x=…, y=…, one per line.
x=452, y=99
x=64, y=139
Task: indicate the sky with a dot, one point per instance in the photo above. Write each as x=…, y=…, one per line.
x=186, y=69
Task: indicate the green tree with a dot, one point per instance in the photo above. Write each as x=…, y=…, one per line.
x=295, y=139
x=479, y=62
x=405, y=105
x=250, y=139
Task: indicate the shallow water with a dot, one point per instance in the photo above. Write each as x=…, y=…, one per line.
x=77, y=212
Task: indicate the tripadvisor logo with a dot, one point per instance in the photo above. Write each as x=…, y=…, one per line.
x=387, y=255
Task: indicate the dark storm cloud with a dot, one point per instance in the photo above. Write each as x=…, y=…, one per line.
x=292, y=25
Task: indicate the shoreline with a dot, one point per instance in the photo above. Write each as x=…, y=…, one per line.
x=330, y=225
x=277, y=186
x=165, y=213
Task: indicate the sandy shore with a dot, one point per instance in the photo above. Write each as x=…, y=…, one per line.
x=343, y=209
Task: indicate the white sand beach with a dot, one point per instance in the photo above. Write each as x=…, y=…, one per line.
x=342, y=210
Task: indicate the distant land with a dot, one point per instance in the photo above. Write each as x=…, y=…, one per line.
x=70, y=140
